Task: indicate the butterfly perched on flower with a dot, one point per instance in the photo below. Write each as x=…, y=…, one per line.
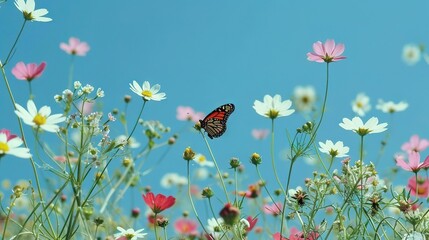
x=215, y=122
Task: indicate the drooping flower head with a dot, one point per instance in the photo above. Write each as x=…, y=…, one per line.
x=147, y=92
x=356, y=125
x=415, y=144
x=75, y=47
x=29, y=12
x=327, y=52
x=273, y=107
x=10, y=145
x=159, y=202
x=39, y=118
x=414, y=164
x=29, y=71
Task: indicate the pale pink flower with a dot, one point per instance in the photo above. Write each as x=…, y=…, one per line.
x=185, y=113
x=419, y=188
x=328, y=52
x=413, y=164
x=75, y=47
x=186, y=226
x=274, y=209
x=260, y=134
x=415, y=144
x=28, y=72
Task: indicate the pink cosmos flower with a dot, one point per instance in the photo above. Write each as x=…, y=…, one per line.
x=277, y=236
x=28, y=72
x=9, y=136
x=186, y=226
x=75, y=47
x=185, y=113
x=328, y=52
x=413, y=164
x=419, y=188
x=415, y=144
x=274, y=209
x=260, y=134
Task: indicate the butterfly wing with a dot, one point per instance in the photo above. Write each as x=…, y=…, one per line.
x=215, y=123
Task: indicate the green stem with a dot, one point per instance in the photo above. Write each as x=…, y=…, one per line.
x=14, y=44
x=286, y=196
x=190, y=196
x=71, y=71
x=361, y=182
x=217, y=167
x=273, y=164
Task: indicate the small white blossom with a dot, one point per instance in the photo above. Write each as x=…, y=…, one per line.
x=335, y=150
x=129, y=234
x=273, y=107
x=39, y=118
x=356, y=125
x=77, y=85
x=391, y=107
x=411, y=54
x=29, y=11
x=147, y=92
x=304, y=98
x=361, y=104
x=202, y=161
x=87, y=89
x=100, y=93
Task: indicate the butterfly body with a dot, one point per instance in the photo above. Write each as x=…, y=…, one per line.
x=215, y=122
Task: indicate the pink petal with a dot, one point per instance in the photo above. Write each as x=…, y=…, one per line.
x=414, y=159
x=338, y=50
x=73, y=42
x=20, y=71
x=314, y=58
x=401, y=163
x=318, y=48
x=39, y=70
x=329, y=47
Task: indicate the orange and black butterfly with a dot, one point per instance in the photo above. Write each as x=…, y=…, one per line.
x=215, y=122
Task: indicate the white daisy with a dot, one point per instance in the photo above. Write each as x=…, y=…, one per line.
x=202, y=161
x=39, y=119
x=130, y=234
x=273, y=107
x=173, y=179
x=391, y=107
x=411, y=54
x=28, y=9
x=147, y=92
x=214, y=227
x=414, y=236
x=356, y=125
x=10, y=146
x=361, y=104
x=335, y=150
x=304, y=98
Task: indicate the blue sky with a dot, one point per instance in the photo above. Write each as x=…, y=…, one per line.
x=207, y=53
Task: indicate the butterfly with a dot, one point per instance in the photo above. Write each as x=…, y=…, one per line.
x=215, y=122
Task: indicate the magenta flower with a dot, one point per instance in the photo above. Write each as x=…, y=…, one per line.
x=75, y=47
x=28, y=72
x=328, y=52
x=159, y=202
x=413, y=164
x=415, y=144
x=419, y=188
x=185, y=113
x=274, y=209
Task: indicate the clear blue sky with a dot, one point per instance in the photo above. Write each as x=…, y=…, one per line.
x=207, y=53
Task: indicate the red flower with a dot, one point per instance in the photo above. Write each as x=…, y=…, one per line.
x=230, y=214
x=159, y=202
x=252, y=222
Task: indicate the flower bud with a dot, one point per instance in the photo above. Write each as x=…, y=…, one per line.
x=255, y=159
x=234, y=163
x=188, y=154
x=207, y=192
x=135, y=212
x=230, y=214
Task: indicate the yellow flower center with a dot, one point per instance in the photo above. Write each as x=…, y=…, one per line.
x=359, y=104
x=147, y=93
x=4, y=147
x=272, y=114
x=129, y=236
x=201, y=159
x=39, y=119
x=305, y=99
x=27, y=16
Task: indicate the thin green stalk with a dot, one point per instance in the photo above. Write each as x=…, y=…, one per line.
x=14, y=44
x=273, y=164
x=361, y=182
x=8, y=217
x=217, y=167
x=188, y=173
x=286, y=196
x=71, y=72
